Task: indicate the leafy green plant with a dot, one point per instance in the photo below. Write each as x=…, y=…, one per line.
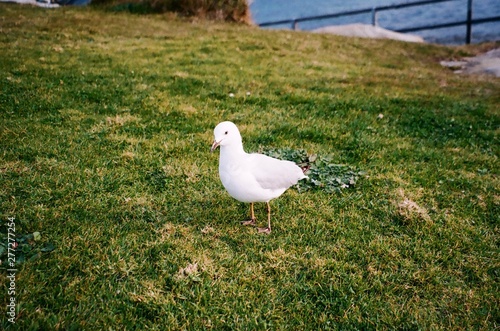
x=323, y=173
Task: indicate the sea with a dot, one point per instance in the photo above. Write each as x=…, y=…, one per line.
x=437, y=13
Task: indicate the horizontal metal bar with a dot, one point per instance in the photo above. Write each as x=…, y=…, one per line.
x=449, y=25
x=486, y=20
x=276, y=23
x=319, y=17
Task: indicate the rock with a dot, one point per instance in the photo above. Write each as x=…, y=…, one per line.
x=368, y=31
x=454, y=65
x=487, y=63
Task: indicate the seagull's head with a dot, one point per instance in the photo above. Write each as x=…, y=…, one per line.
x=226, y=134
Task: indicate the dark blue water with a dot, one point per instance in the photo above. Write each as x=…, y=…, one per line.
x=452, y=11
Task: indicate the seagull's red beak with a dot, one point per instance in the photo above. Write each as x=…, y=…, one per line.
x=215, y=145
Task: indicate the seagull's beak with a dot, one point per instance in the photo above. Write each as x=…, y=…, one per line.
x=215, y=145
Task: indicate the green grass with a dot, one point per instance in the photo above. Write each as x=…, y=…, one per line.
x=106, y=124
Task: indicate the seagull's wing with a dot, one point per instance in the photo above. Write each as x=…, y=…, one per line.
x=274, y=174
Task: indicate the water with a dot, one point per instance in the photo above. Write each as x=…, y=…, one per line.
x=274, y=10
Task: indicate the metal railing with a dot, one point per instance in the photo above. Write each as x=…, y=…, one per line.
x=469, y=21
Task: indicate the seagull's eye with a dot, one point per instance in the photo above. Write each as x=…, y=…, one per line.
x=225, y=132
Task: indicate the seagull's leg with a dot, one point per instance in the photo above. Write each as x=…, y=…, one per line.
x=251, y=221
x=268, y=229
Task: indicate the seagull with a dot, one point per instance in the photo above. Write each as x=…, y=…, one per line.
x=254, y=177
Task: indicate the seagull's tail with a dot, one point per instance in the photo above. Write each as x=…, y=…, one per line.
x=305, y=168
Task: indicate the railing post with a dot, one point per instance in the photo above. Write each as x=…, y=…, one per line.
x=469, y=22
x=374, y=16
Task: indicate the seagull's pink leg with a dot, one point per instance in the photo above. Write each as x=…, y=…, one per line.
x=268, y=229
x=251, y=221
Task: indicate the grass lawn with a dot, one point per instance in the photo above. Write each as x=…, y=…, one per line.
x=106, y=122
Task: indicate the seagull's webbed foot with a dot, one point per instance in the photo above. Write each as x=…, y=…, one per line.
x=250, y=221
x=264, y=230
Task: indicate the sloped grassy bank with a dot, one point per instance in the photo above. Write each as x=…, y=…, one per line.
x=106, y=124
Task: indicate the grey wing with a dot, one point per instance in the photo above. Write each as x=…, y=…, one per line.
x=274, y=174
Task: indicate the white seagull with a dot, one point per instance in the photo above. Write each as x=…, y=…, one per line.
x=252, y=177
